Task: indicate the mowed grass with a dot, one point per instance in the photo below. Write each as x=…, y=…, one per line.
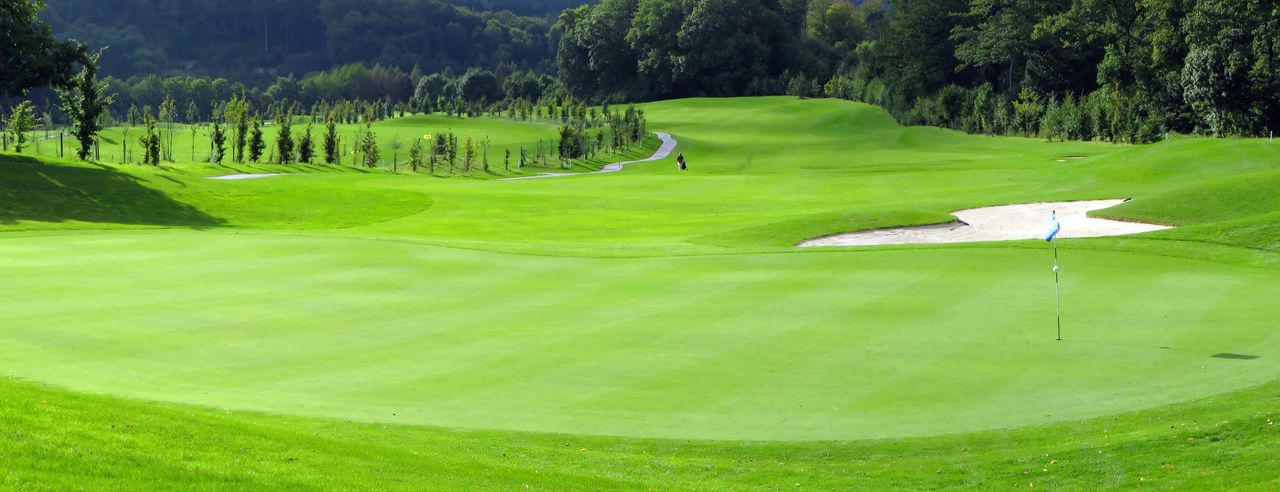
x=774, y=347
x=653, y=303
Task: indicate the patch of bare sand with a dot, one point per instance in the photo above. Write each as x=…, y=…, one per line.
x=1002, y=223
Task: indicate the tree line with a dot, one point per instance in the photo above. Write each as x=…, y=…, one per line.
x=254, y=42
x=1084, y=69
x=1115, y=70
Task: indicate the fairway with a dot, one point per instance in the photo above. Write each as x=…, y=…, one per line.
x=650, y=302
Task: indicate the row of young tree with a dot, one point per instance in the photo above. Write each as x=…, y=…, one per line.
x=236, y=127
x=582, y=137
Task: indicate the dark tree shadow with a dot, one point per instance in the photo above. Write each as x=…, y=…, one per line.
x=33, y=191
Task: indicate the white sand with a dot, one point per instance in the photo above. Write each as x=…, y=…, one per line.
x=1003, y=223
x=668, y=145
x=237, y=177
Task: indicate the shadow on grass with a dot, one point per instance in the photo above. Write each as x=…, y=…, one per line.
x=34, y=191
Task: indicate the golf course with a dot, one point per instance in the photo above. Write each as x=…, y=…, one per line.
x=651, y=328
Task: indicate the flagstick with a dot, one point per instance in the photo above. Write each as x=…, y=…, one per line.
x=1057, y=289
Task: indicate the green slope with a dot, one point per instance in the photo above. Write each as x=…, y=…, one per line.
x=56, y=440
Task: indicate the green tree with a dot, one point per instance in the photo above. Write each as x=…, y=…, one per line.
x=306, y=147
x=1027, y=112
x=439, y=150
x=193, y=113
x=30, y=57
x=917, y=54
x=256, y=143
x=835, y=22
x=84, y=104
x=479, y=85
x=1001, y=38
x=330, y=141
x=451, y=151
x=237, y=115
x=369, y=146
x=219, y=137
x=150, y=140
x=571, y=140
x=395, y=146
x=193, y=124
x=284, y=137
x=469, y=153
x=22, y=121
x=168, y=116
x=415, y=155
x=1231, y=78
x=594, y=56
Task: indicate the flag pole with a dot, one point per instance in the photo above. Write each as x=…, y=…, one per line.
x=1057, y=288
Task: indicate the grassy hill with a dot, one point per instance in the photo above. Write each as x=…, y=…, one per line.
x=479, y=333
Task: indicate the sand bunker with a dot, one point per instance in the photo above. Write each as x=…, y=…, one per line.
x=237, y=177
x=1003, y=223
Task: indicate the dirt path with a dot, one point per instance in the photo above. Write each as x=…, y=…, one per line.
x=664, y=151
x=1003, y=223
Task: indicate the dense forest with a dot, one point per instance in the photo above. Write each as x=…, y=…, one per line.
x=254, y=42
x=1120, y=70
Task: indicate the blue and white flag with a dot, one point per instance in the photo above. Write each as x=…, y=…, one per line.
x=1054, y=228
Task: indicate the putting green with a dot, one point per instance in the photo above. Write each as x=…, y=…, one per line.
x=789, y=345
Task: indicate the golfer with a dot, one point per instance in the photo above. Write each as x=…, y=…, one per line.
x=683, y=165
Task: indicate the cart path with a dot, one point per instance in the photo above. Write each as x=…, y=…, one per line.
x=237, y=177
x=664, y=151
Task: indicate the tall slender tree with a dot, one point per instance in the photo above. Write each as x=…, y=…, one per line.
x=168, y=116
x=306, y=147
x=236, y=113
x=452, y=151
x=415, y=155
x=330, y=141
x=256, y=143
x=284, y=137
x=468, y=153
x=84, y=104
x=439, y=150
x=369, y=146
x=219, y=137
x=193, y=124
x=150, y=140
